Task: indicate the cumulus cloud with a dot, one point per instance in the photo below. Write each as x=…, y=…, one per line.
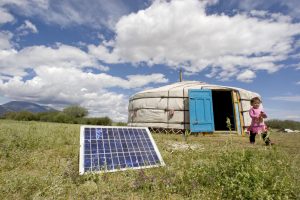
x=102, y=52
x=99, y=103
x=64, y=86
x=291, y=7
x=175, y=33
x=63, y=75
x=5, y=41
x=279, y=113
x=94, y=13
x=181, y=33
x=5, y=16
x=136, y=81
x=246, y=76
x=60, y=77
x=295, y=98
x=27, y=28
x=178, y=33
x=14, y=62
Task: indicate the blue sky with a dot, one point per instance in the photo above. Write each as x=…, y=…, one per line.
x=98, y=53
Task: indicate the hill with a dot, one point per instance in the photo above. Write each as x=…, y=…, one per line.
x=3, y=110
x=17, y=106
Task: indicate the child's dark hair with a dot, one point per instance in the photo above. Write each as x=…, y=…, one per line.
x=255, y=99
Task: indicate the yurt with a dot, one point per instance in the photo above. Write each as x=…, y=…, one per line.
x=192, y=105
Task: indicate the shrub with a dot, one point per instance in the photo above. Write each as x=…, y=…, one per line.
x=20, y=116
x=282, y=124
x=63, y=118
x=106, y=121
x=67, y=116
x=10, y=115
x=120, y=124
x=76, y=111
x=46, y=116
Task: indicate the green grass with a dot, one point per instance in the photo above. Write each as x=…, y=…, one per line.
x=40, y=161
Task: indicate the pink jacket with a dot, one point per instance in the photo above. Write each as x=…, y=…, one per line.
x=257, y=123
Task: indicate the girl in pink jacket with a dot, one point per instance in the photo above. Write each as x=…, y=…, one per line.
x=257, y=124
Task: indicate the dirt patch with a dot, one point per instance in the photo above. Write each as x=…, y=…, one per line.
x=182, y=146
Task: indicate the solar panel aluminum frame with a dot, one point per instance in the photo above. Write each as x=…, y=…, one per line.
x=81, y=156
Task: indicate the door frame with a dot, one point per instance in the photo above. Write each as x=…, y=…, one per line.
x=234, y=99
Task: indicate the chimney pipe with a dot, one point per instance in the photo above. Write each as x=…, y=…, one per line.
x=180, y=75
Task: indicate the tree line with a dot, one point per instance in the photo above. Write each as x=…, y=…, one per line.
x=282, y=124
x=72, y=114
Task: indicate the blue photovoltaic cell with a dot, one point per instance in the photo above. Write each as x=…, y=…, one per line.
x=111, y=148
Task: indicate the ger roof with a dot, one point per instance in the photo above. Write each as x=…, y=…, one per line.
x=180, y=89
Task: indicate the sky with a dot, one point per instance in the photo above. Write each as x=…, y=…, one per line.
x=98, y=53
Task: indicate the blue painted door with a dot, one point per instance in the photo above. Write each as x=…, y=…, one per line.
x=201, y=111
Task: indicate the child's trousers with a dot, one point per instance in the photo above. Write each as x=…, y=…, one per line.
x=252, y=137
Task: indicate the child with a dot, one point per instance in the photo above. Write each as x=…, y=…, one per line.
x=257, y=124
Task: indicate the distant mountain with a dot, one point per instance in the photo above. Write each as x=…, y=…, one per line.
x=3, y=110
x=17, y=106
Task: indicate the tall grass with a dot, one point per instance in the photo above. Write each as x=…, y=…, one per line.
x=40, y=161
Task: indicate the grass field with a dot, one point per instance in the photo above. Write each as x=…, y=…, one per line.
x=40, y=161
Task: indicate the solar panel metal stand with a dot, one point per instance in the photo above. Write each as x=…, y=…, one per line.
x=166, y=130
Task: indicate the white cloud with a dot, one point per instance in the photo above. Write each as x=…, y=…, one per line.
x=102, y=53
x=60, y=79
x=259, y=13
x=61, y=75
x=176, y=33
x=295, y=98
x=5, y=16
x=180, y=33
x=290, y=6
x=5, y=40
x=94, y=13
x=63, y=86
x=14, y=62
x=293, y=117
x=99, y=102
x=283, y=114
x=298, y=83
x=16, y=2
x=27, y=28
x=136, y=81
x=246, y=76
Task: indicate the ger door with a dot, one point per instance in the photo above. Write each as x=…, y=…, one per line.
x=201, y=111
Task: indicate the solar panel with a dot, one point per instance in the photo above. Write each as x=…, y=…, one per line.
x=108, y=148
